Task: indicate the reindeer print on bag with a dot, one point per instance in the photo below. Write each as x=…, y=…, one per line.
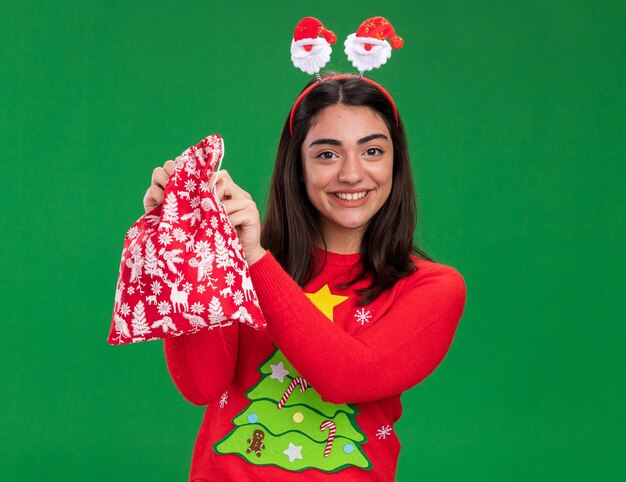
x=178, y=297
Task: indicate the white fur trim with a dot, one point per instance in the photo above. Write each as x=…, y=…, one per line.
x=365, y=60
x=312, y=61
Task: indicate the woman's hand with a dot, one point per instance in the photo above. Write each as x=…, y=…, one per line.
x=243, y=215
x=154, y=195
x=240, y=207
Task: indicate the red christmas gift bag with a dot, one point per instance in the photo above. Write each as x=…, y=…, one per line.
x=183, y=268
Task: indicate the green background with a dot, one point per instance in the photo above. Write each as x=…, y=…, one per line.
x=516, y=120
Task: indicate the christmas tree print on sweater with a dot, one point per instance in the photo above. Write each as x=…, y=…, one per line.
x=288, y=425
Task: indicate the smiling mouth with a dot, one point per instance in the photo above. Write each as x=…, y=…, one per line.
x=355, y=196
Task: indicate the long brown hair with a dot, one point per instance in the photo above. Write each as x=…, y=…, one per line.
x=292, y=226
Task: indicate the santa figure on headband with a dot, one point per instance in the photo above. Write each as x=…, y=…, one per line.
x=367, y=49
x=310, y=48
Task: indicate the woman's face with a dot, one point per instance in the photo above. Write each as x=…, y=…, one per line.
x=347, y=160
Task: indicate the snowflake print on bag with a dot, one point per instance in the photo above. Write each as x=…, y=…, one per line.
x=125, y=310
x=182, y=267
x=363, y=316
x=179, y=235
x=133, y=232
x=197, y=308
x=156, y=288
x=164, y=308
x=238, y=297
x=165, y=239
x=383, y=432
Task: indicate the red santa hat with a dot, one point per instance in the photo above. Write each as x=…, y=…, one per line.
x=368, y=48
x=311, y=28
x=379, y=28
x=310, y=47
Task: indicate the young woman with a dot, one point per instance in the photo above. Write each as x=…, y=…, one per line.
x=354, y=317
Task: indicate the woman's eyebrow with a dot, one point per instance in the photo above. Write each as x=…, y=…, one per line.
x=332, y=142
x=371, y=137
x=335, y=142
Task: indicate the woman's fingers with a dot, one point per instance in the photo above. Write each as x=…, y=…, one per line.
x=153, y=198
x=244, y=216
x=232, y=206
x=170, y=165
x=160, y=176
x=226, y=188
x=154, y=195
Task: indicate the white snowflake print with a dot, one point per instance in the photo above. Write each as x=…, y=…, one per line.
x=165, y=239
x=130, y=290
x=164, y=308
x=132, y=232
x=125, y=310
x=156, y=288
x=224, y=399
x=209, y=232
x=363, y=316
x=201, y=289
x=228, y=229
x=204, y=186
x=187, y=287
x=195, y=202
x=383, y=432
x=203, y=224
x=230, y=278
x=237, y=297
x=197, y=308
x=214, y=222
x=179, y=235
x=202, y=249
x=190, y=185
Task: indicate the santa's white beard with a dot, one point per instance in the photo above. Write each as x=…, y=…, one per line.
x=365, y=60
x=313, y=60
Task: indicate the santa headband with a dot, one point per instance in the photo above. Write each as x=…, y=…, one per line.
x=367, y=49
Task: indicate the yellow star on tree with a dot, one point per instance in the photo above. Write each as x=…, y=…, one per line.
x=325, y=301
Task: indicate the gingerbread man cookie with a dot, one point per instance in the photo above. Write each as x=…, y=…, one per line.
x=255, y=443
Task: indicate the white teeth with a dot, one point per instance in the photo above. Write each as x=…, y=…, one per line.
x=351, y=196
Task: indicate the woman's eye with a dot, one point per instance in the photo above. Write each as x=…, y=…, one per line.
x=373, y=151
x=326, y=155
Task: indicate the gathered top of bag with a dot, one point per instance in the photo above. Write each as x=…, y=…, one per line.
x=183, y=268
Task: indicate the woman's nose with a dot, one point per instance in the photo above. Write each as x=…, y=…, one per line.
x=351, y=170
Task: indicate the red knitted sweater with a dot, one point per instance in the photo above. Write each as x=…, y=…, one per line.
x=316, y=395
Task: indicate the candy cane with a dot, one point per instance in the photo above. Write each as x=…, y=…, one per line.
x=331, y=435
x=296, y=381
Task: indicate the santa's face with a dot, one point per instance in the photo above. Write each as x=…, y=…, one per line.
x=366, y=53
x=347, y=160
x=310, y=55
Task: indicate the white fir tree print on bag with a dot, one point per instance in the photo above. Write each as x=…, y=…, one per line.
x=183, y=268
